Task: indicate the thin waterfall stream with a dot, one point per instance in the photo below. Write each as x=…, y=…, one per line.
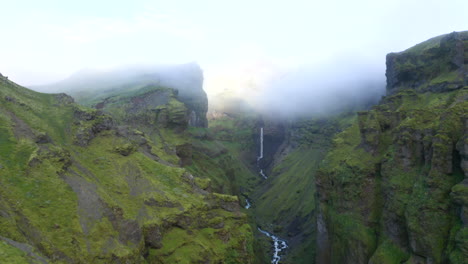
x=278, y=244
x=260, y=157
x=247, y=203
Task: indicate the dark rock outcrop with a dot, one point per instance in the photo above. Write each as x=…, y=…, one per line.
x=90, y=123
x=394, y=187
x=184, y=152
x=274, y=135
x=191, y=93
x=436, y=65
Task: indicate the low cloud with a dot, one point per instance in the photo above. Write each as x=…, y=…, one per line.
x=341, y=84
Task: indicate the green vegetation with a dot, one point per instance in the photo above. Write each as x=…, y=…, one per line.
x=393, y=170
x=77, y=188
x=131, y=182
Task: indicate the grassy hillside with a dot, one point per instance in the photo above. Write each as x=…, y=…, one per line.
x=285, y=203
x=77, y=188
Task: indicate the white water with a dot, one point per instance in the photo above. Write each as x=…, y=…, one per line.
x=261, y=144
x=261, y=154
x=278, y=245
x=247, y=204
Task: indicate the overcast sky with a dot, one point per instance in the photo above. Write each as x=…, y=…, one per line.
x=47, y=40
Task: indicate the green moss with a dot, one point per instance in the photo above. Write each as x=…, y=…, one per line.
x=226, y=198
x=389, y=253
x=458, y=255
x=446, y=77
x=203, y=183
x=98, y=193
x=404, y=179
x=125, y=149
x=351, y=235
x=428, y=44
x=209, y=244
x=10, y=254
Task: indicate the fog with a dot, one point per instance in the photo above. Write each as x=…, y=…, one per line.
x=345, y=84
x=284, y=58
x=342, y=83
x=177, y=76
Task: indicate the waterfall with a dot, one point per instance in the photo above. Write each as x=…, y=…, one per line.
x=247, y=203
x=278, y=245
x=261, y=144
x=260, y=157
x=193, y=119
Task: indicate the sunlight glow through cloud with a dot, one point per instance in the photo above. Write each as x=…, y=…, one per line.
x=56, y=38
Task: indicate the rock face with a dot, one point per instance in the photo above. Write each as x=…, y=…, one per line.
x=77, y=186
x=274, y=135
x=191, y=93
x=394, y=187
x=93, y=88
x=436, y=65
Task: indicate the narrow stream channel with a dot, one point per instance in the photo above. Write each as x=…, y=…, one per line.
x=247, y=203
x=278, y=244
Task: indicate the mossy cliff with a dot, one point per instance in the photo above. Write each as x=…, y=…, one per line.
x=135, y=176
x=209, y=152
x=285, y=202
x=78, y=186
x=98, y=88
x=437, y=65
x=393, y=189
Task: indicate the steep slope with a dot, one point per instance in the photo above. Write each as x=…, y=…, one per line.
x=90, y=87
x=388, y=185
x=393, y=188
x=388, y=189
x=78, y=188
x=157, y=112
x=223, y=152
x=285, y=203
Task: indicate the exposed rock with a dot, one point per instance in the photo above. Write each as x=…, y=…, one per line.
x=273, y=137
x=436, y=65
x=191, y=93
x=91, y=123
x=184, y=152
x=27, y=249
x=153, y=236
x=52, y=153
x=10, y=99
x=42, y=138
x=75, y=202
x=166, y=204
x=91, y=208
x=64, y=99
x=462, y=147
x=135, y=136
x=384, y=187
x=125, y=149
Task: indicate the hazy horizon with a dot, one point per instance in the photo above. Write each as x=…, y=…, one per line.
x=263, y=51
x=49, y=40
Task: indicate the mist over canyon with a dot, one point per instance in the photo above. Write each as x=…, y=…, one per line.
x=284, y=132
